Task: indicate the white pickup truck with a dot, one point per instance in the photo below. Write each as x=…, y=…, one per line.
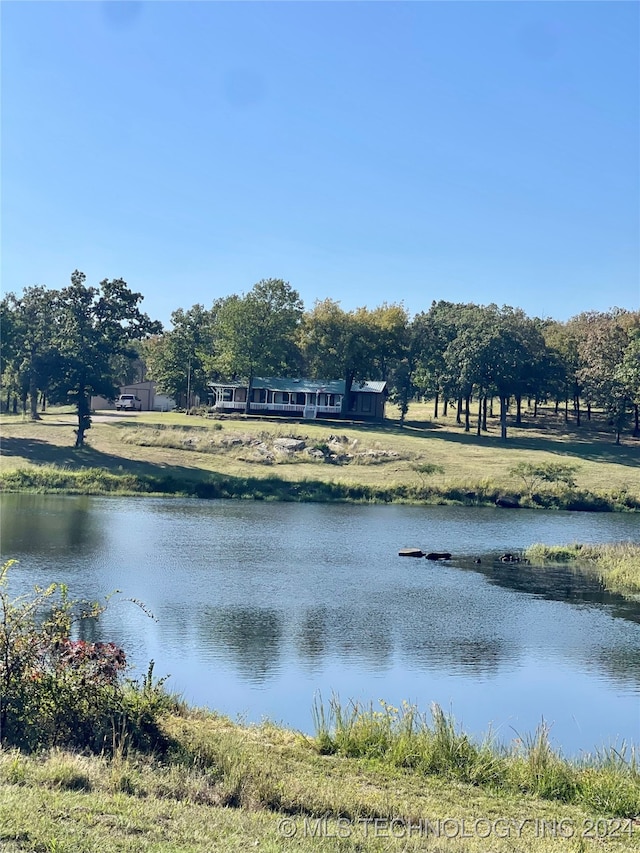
x=129, y=401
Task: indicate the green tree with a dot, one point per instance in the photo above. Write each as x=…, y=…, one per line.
x=530, y=352
x=8, y=332
x=629, y=372
x=438, y=328
x=427, y=375
x=466, y=360
x=508, y=360
x=565, y=339
x=329, y=341
x=382, y=332
x=92, y=325
x=533, y=475
x=562, y=363
x=180, y=360
x=257, y=333
x=361, y=344
x=8, y=346
x=491, y=353
x=606, y=374
x=31, y=355
x=406, y=378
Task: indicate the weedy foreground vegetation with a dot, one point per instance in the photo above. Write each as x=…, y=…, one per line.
x=92, y=760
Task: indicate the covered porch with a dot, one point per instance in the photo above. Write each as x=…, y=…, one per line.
x=307, y=402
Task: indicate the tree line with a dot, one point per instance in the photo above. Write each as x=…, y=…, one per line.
x=64, y=345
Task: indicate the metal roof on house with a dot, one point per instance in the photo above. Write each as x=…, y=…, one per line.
x=227, y=384
x=368, y=387
x=278, y=383
x=309, y=386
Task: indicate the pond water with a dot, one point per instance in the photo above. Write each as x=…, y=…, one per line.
x=262, y=606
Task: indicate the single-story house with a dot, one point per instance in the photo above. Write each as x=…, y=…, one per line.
x=306, y=398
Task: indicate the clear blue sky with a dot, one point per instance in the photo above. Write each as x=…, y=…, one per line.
x=367, y=152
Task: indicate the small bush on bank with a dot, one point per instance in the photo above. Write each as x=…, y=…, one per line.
x=59, y=691
x=533, y=475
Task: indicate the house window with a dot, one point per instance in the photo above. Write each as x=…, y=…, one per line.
x=259, y=395
x=301, y=398
x=241, y=395
x=281, y=397
x=366, y=402
x=227, y=395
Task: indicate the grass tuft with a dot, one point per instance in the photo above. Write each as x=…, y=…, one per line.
x=403, y=738
x=617, y=563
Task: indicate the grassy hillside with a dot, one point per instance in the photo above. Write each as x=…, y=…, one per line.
x=426, y=461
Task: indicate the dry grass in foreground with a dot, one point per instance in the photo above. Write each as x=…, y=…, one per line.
x=228, y=787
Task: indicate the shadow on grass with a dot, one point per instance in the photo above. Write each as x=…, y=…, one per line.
x=595, y=448
x=90, y=471
x=42, y=452
x=594, y=443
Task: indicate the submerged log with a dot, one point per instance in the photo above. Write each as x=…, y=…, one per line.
x=410, y=552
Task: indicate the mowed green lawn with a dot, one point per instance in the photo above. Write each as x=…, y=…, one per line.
x=385, y=454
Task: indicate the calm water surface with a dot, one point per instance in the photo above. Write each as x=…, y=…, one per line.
x=260, y=606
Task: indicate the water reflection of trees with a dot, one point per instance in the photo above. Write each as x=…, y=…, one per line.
x=363, y=634
x=312, y=635
x=621, y=664
x=418, y=633
x=88, y=630
x=68, y=524
x=252, y=637
x=456, y=655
